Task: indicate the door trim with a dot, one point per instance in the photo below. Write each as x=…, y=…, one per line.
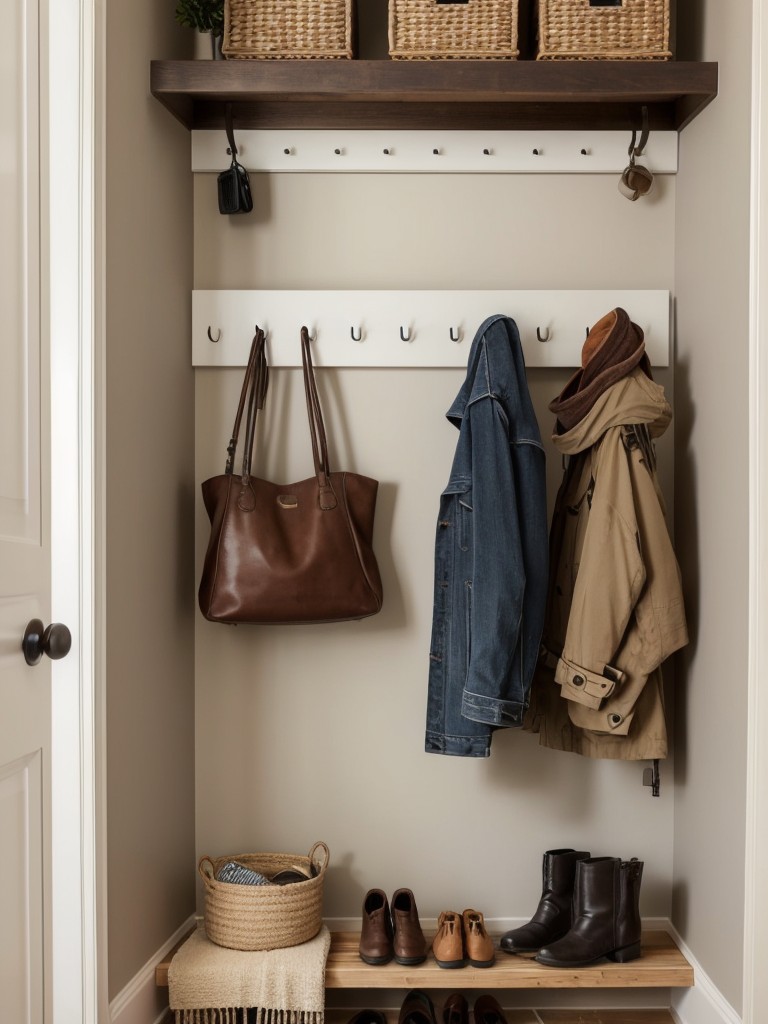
x=74, y=44
x=755, y=1007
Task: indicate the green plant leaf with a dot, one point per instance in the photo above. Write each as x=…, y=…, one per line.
x=203, y=15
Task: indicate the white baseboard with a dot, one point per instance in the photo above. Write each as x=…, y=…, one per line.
x=704, y=1003
x=141, y=1002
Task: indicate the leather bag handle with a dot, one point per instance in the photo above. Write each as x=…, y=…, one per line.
x=327, y=498
x=254, y=393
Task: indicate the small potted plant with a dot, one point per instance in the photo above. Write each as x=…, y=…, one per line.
x=205, y=16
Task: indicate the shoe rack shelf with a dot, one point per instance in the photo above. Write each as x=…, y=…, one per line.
x=661, y=965
x=424, y=94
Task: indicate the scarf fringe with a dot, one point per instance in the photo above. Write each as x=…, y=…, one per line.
x=248, y=1015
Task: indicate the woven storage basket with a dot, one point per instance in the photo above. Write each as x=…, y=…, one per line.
x=625, y=30
x=263, y=916
x=287, y=29
x=475, y=29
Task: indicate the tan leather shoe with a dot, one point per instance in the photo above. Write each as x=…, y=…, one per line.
x=409, y=943
x=448, y=944
x=376, y=932
x=478, y=944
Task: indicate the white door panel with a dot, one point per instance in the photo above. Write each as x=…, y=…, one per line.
x=21, y=813
x=19, y=276
x=24, y=535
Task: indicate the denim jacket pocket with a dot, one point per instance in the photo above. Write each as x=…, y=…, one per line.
x=461, y=493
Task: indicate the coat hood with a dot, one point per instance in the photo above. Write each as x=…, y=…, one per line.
x=614, y=347
x=634, y=399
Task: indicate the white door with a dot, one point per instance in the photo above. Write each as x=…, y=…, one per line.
x=25, y=553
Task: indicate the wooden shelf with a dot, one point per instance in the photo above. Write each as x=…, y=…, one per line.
x=661, y=965
x=425, y=94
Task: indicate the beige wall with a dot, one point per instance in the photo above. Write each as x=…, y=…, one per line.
x=149, y=410
x=309, y=732
x=317, y=731
x=712, y=278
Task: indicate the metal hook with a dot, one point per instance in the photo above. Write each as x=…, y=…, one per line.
x=211, y=337
x=637, y=150
x=352, y=332
x=538, y=335
x=404, y=337
x=458, y=334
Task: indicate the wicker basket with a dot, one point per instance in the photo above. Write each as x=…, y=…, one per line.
x=287, y=29
x=264, y=916
x=474, y=29
x=618, y=30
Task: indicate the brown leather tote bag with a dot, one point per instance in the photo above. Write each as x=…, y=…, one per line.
x=281, y=553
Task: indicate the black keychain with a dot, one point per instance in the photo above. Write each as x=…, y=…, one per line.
x=234, y=184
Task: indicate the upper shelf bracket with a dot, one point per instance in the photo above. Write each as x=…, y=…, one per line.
x=474, y=94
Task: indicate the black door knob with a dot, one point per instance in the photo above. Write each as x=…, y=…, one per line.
x=54, y=640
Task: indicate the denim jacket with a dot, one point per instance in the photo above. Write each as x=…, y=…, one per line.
x=490, y=553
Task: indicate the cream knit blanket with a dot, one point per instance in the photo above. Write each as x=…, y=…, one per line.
x=209, y=984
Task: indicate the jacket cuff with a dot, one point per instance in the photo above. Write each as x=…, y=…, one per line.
x=584, y=686
x=503, y=714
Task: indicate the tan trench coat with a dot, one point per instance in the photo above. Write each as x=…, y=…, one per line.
x=615, y=606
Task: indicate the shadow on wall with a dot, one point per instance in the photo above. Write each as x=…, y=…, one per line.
x=687, y=534
x=687, y=29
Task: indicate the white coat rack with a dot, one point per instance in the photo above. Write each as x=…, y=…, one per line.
x=431, y=152
x=412, y=328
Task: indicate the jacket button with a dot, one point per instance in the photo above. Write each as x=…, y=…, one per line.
x=615, y=719
x=578, y=680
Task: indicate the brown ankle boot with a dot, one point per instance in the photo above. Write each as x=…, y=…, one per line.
x=376, y=932
x=409, y=943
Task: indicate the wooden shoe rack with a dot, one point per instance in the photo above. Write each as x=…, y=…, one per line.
x=662, y=965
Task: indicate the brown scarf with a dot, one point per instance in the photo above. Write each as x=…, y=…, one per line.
x=613, y=347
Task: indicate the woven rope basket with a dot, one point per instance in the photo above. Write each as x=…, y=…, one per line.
x=264, y=916
x=576, y=30
x=287, y=29
x=477, y=30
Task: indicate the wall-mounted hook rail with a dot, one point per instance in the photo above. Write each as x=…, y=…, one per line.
x=430, y=317
x=392, y=151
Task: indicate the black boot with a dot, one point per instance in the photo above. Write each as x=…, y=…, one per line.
x=552, y=919
x=606, y=915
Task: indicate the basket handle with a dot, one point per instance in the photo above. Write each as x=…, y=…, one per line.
x=324, y=864
x=206, y=875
